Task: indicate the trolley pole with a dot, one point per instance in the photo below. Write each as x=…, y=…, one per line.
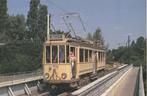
x=128, y=49
x=48, y=26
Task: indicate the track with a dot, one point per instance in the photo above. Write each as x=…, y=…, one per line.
x=103, y=81
x=65, y=90
x=97, y=87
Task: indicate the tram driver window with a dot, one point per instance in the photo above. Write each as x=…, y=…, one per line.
x=67, y=54
x=81, y=55
x=90, y=55
x=72, y=49
x=54, y=54
x=62, y=54
x=86, y=55
x=99, y=56
x=48, y=54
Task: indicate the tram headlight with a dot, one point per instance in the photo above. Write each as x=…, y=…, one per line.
x=63, y=75
x=46, y=75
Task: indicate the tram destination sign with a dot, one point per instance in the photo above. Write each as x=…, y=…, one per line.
x=56, y=36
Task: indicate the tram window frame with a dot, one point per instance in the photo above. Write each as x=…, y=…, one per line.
x=86, y=55
x=63, y=53
x=99, y=56
x=103, y=56
x=90, y=56
x=48, y=54
x=81, y=55
x=57, y=55
x=67, y=53
x=73, y=49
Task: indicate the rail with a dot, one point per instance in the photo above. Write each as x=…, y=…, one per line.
x=99, y=86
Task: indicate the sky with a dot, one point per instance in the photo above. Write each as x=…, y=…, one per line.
x=116, y=18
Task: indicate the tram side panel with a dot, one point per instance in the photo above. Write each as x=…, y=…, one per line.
x=101, y=60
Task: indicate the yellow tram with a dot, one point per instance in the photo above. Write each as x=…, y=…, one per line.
x=57, y=66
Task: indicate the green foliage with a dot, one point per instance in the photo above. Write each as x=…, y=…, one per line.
x=37, y=21
x=20, y=57
x=134, y=54
x=42, y=22
x=97, y=36
x=109, y=57
x=32, y=20
x=16, y=30
x=89, y=36
x=3, y=18
x=23, y=38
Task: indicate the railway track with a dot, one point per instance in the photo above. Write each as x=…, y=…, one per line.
x=96, y=87
x=99, y=86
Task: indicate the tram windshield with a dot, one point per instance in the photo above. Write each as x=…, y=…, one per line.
x=57, y=54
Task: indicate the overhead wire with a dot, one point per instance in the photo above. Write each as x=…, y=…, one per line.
x=57, y=6
x=69, y=25
x=82, y=24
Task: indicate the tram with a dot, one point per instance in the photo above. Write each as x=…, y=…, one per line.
x=67, y=60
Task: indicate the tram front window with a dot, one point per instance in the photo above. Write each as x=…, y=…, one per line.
x=62, y=54
x=67, y=54
x=54, y=54
x=48, y=54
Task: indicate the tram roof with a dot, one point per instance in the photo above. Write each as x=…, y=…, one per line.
x=61, y=39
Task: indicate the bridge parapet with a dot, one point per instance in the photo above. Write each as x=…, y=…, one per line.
x=141, y=85
x=8, y=80
x=98, y=87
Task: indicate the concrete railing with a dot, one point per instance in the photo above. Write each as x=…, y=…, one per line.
x=141, y=85
x=99, y=86
x=7, y=79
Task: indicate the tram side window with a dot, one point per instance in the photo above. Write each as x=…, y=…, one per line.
x=90, y=55
x=81, y=55
x=48, y=54
x=86, y=55
x=54, y=54
x=99, y=56
x=103, y=56
x=62, y=54
x=67, y=54
x=72, y=49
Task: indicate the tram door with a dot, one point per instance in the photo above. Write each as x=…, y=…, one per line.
x=73, y=61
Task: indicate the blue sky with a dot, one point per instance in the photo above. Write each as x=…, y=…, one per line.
x=116, y=18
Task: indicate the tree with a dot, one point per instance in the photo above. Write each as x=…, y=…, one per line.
x=109, y=57
x=32, y=20
x=16, y=29
x=97, y=37
x=89, y=36
x=42, y=22
x=3, y=18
